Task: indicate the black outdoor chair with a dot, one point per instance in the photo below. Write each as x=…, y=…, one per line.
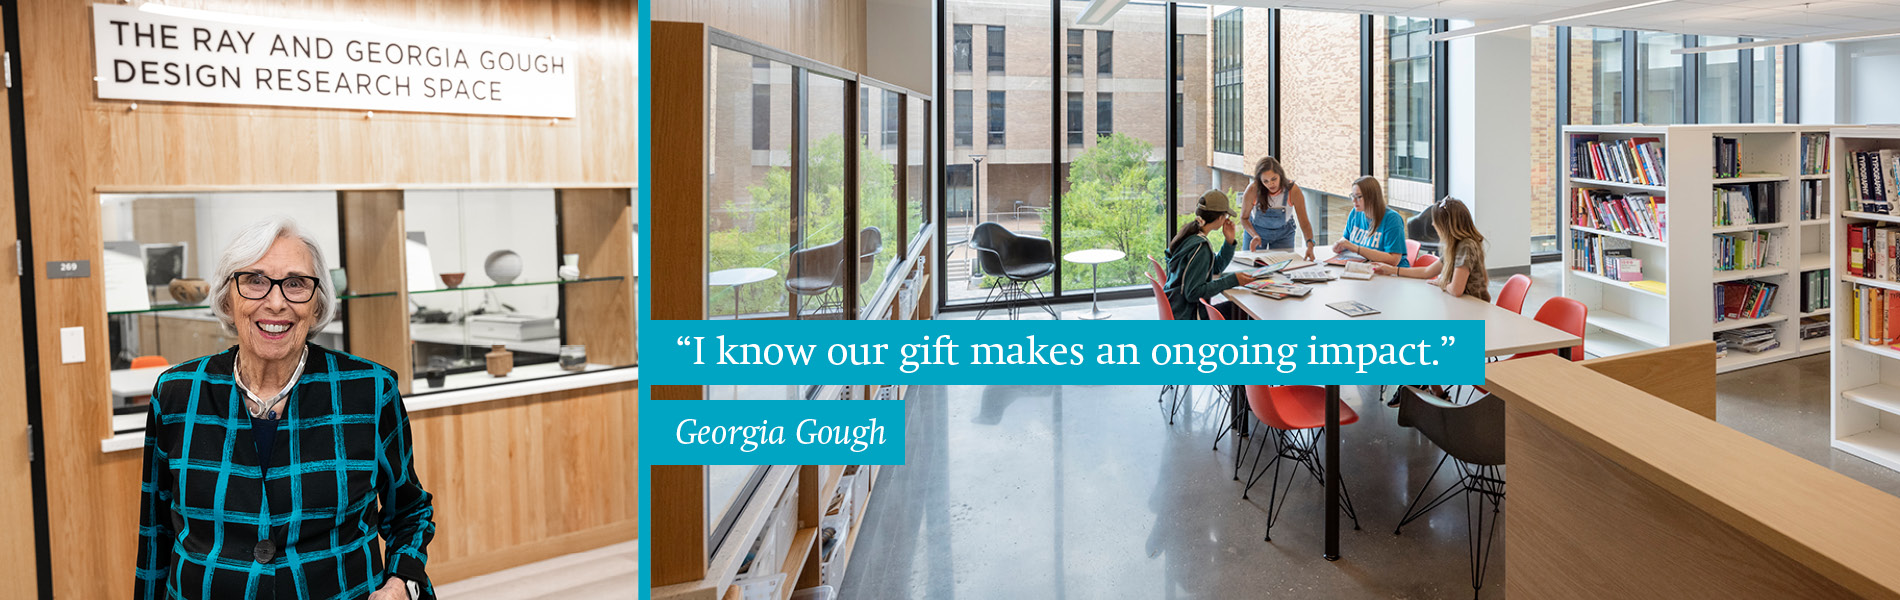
x=1020, y=260
x=870, y=242
x=1472, y=436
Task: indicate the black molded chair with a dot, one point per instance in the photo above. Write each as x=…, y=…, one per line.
x=1019, y=259
x=1472, y=436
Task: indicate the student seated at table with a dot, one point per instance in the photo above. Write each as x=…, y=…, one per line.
x=1463, y=274
x=1373, y=230
x=1194, y=269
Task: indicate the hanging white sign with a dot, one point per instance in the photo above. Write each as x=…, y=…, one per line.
x=161, y=53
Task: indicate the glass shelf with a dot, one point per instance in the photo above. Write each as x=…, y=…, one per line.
x=161, y=308
x=514, y=285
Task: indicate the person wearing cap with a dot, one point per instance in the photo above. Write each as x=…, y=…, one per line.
x=1194, y=269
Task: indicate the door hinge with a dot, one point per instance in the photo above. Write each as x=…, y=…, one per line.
x=30, y=444
x=7, y=63
x=19, y=260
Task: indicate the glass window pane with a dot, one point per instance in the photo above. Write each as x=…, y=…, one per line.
x=1719, y=92
x=878, y=202
x=961, y=106
x=917, y=184
x=1658, y=78
x=749, y=203
x=818, y=271
x=1114, y=190
x=960, y=49
x=1075, y=53
x=1007, y=179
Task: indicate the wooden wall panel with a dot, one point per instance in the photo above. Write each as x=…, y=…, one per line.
x=374, y=253
x=676, y=238
x=598, y=225
x=17, y=560
x=1683, y=374
x=529, y=478
x=1582, y=526
x=830, y=31
x=79, y=145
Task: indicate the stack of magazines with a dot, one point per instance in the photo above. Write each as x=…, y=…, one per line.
x=1756, y=339
x=1814, y=327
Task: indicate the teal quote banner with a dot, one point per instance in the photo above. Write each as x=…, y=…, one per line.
x=779, y=352
x=772, y=432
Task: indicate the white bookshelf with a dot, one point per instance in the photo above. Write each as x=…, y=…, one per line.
x=1627, y=319
x=1865, y=386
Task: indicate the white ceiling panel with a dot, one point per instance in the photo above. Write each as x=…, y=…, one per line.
x=1739, y=18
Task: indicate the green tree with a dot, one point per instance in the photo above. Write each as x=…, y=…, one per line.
x=759, y=235
x=1116, y=199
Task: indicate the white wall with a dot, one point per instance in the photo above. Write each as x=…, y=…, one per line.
x=1868, y=81
x=1490, y=140
x=1819, y=81
x=899, y=43
x=222, y=216
x=463, y=227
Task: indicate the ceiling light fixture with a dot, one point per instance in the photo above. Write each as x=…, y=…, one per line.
x=1828, y=37
x=1580, y=12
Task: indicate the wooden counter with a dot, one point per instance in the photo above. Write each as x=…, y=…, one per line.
x=1615, y=493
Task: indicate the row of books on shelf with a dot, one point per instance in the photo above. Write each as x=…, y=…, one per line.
x=1814, y=151
x=1871, y=186
x=1872, y=251
x=1874, y=317
x=1814, y=200
x=1634, y=214
x=1610, y=257
x=1742, y=251
x=1753, y=339
x=1746, y=204
x=1817, y=290
x=1728, y=159
x=1634, y=160
x=1745, y=299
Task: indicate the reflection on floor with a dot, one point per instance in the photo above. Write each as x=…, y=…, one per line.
x=599, y=574
x=1086, y=492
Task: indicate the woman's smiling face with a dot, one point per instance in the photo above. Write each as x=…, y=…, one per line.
x=274, y=328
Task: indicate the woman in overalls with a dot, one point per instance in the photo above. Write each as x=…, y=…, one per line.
x=1268, y=220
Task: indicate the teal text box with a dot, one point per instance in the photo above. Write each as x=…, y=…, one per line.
x=772, y=432
x=1063, y=352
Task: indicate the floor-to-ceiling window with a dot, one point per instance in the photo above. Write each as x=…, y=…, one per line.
x=1114, y=185
x=1719, y=82
x=1408, y=92
x=1601, y=91
x=998, y=161
x=1659, y=79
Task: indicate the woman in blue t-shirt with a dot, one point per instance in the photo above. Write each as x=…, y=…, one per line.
x=1380, y=238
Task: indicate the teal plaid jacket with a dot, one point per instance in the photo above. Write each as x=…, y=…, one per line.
x=341, y=485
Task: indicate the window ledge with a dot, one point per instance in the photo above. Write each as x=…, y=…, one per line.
x=133, y=440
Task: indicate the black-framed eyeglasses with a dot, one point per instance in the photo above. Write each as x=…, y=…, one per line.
x=257, y=286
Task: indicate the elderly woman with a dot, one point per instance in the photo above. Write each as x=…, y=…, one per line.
x=273, y=468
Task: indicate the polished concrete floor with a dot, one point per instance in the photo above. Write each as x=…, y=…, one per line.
x=1087, y=492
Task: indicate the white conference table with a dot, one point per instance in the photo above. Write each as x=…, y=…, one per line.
x=1396, y=298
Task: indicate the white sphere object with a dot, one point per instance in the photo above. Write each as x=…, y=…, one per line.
x=502, y=266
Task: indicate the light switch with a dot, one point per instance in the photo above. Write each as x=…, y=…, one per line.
x=72, y=345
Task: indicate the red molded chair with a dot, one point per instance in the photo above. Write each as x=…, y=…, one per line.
x=1424, y=261
x=1213, y=314
x=1566, y=314
x=1411, y=253
x=1166, y=312
x=1296, y=416
x=1511, y=298
x=150, y=360
x=1161, y=273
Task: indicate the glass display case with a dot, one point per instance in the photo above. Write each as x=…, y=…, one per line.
x=452, y=289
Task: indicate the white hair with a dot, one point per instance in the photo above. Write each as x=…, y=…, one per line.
x=248, y=247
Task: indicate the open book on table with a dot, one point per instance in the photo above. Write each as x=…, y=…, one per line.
x=1261, y=259
x=1346, y=257
x=1358, y=270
